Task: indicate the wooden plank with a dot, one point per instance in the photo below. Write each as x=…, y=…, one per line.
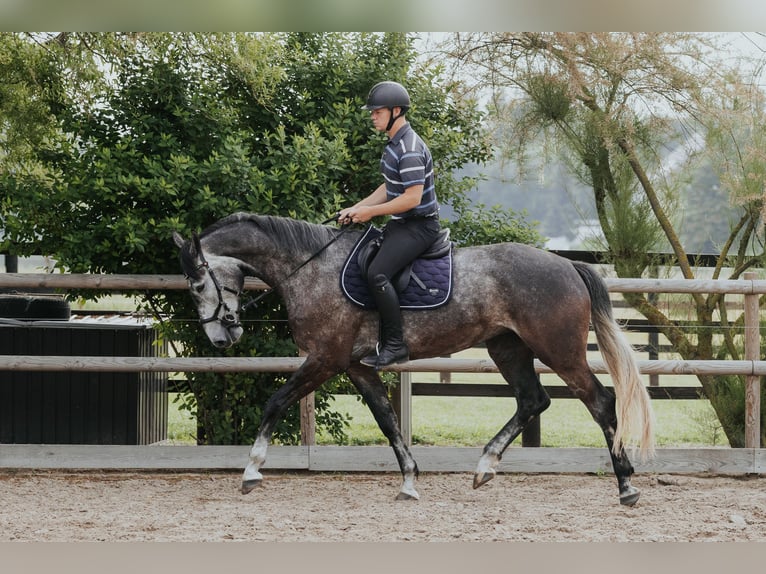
x=405, y=407
x=669, y=259
x=154, y=457
x=685, y=286
x=554, y=391
x=752, y=382
x=374, y=459
x=289, y=364
x=307, y=409
x=598, y=366
x=105, y=282
x=676, y=393
x=352, y=459
x=306, y=406
x=152, y=364
x=517, y=459
x=701, y=460
x=760, y=461
x=161, y=282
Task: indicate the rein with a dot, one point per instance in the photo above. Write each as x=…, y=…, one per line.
x=254, y=301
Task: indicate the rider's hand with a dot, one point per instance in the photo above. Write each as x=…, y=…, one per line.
x=344, y=217
x=355, y=214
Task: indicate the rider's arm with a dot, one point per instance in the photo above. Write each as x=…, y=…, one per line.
x=377, y=204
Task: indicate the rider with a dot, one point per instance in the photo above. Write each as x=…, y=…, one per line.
x=408, y=195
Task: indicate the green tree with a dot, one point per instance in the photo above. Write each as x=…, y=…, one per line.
x=610, y=103
x=150, y=133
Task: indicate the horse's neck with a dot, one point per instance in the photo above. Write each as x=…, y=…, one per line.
x=273, y=259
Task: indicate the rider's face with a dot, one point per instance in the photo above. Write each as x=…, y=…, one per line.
x=380, y=118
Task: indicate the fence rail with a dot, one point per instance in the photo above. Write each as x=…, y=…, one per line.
x=161, y=282
x=289, y=364
x=114, y=282
x=751, y=368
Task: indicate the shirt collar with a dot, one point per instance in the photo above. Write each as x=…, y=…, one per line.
x=400, y=134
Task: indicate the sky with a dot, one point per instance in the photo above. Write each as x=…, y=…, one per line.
x=393, y=15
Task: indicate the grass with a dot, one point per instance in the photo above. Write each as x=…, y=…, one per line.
x=108, y=303
x=182, y=427
x=472, y=421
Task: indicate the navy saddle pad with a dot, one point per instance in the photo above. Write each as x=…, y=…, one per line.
x=425, y=284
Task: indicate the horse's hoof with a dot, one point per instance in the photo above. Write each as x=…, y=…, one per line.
x=482, y=478
x=249, y=485
x=630, y=496
x=405, y=496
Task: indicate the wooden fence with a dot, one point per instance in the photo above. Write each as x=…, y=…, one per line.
x=752, y=459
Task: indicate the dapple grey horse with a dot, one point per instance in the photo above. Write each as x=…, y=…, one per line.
x=522, y=302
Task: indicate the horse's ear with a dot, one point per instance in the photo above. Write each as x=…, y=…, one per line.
x=196, y=243
x=178, y=240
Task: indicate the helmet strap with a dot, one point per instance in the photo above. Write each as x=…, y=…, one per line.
x=393, y=118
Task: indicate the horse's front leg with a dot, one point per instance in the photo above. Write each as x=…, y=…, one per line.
x=252, y=477
x=306, y=379
x=368, y=383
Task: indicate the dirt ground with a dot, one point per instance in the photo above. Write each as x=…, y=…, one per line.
x=354, y=507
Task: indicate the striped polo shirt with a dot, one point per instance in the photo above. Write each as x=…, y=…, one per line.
x=407, y=161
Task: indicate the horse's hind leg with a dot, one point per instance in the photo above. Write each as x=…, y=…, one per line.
x=516, y=363
x=601, y=404
x=368, y=383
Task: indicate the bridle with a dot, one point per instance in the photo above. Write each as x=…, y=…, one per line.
x=228, y=320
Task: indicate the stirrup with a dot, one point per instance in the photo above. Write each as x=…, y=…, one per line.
x=371, y=360
x=391, y=357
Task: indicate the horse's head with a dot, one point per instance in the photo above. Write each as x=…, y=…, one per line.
x=215, y=283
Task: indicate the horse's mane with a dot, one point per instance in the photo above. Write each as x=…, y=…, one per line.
x=291, y=234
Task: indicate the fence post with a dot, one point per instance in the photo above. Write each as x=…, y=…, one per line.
x=752, y=382
x=531, y=436
x=11, y=263
x=307, y=416
x=445, y=376
x=308, y=420
x=403, y=405
x=653, y=336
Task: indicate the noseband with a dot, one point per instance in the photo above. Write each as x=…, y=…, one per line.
x=228, y=320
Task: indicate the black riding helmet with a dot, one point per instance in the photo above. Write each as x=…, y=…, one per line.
x=388, y=95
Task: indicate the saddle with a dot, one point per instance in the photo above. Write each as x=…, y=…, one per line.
x=426, y=283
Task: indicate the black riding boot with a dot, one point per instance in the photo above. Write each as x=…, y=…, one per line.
x=391, y=348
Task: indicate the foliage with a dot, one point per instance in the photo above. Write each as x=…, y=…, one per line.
x=140, y=135
x=479, y=225
x=610, y=103
x=25, y=106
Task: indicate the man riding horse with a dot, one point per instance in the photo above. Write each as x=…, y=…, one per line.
x=408, y=195
x=523, y=303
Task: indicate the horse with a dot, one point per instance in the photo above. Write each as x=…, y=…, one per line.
x=522, y=302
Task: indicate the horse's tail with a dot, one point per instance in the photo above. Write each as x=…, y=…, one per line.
x=635, y=419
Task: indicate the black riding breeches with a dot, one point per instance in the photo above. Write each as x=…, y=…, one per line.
x=403, y=241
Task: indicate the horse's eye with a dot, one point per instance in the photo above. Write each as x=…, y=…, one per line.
x=200, y=288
